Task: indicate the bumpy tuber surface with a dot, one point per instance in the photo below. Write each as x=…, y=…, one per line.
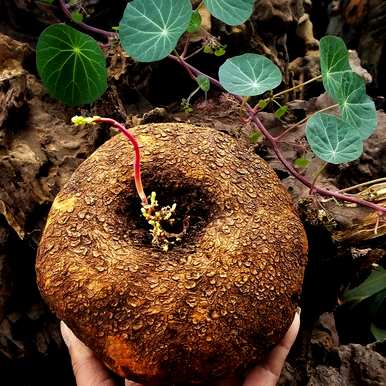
x=218, y=301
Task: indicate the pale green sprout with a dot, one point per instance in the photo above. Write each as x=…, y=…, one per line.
x=79, y=120
x=155, y=216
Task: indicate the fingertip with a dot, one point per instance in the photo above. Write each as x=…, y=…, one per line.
x=131, y=383
x=67, y=334
x=268, y=373
x=88, y=370
x=291, y=334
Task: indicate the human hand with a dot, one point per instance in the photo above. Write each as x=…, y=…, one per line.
x=89, y=371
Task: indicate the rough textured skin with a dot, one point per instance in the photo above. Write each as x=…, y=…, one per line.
x=208, y=308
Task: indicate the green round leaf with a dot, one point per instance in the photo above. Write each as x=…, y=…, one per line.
x=356, y=107
x=208, y=49
x=281, y=111
x=301, y=163
x=71, y=65
x=76, y=16
x=195, y=22
x=220, y=51
x=150, y=29
x=232, y=12
x=249, y=75
x=262, y=104
x=254, y=137
x=333, y=55
x=203, y=82
x=332, y=139
x=334, y=60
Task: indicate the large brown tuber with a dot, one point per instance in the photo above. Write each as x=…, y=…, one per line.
x=215, y=303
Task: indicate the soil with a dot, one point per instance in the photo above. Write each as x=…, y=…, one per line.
x=40, y=149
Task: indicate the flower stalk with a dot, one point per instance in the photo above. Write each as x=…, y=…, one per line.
x=79, y=120
x=107, y=34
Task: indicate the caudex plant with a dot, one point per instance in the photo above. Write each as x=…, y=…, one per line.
x=73, y=68
x=236, y=278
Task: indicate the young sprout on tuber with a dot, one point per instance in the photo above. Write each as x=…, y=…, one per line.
x=154, y=215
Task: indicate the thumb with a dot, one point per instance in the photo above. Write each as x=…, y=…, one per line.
x=88, y=370
x=268, y=373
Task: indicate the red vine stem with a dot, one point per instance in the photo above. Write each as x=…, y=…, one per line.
x=137, y=154
x=276, y=148
x=65, y=10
